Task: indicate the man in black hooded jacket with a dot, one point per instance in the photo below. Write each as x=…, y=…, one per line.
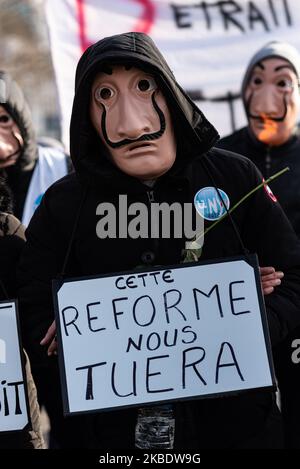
x=114, y=145
x=271, y=140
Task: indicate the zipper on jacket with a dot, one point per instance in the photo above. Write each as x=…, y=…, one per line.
x=268, y=162
x=150, y=195
x=155, y=241
x=155, y=424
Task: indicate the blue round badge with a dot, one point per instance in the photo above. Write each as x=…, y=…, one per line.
x=209, y=205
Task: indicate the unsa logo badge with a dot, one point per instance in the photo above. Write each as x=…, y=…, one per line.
x=209, y=204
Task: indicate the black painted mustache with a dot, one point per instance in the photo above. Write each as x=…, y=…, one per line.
x=275, y=119
x=142, y=138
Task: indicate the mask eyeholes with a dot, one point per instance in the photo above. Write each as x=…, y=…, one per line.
x=103, y=94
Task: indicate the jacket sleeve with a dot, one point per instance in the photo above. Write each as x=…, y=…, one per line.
x=40, y=263
x=268, y=232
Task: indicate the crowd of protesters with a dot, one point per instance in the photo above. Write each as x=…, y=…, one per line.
x=134, y=131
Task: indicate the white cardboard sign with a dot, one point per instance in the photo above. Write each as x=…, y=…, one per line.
x=13, y=391
x=187, y=331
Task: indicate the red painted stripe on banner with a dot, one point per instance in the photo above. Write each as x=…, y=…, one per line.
x=147, y=18
x=84, y=43
x=143, y=25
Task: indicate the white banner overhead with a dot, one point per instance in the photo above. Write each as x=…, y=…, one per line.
x=153, y=336
x=207, y=43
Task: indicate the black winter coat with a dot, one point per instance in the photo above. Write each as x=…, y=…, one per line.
x=269, y=161
x=287, y=189
x=241, y=421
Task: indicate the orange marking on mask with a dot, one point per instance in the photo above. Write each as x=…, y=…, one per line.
x=269, y=130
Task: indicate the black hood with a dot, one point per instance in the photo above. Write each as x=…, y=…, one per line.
x=13, y=100
x=195, y=135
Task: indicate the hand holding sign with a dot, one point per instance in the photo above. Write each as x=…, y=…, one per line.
x=50, y=337
x=270, y=278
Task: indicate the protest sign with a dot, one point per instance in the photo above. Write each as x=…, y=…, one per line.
x=13, y=390
x=193, y=330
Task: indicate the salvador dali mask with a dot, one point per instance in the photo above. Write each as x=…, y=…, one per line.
x=272, y=101
x=132, y=117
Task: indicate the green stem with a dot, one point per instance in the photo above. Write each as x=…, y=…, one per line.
x=264, y=183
